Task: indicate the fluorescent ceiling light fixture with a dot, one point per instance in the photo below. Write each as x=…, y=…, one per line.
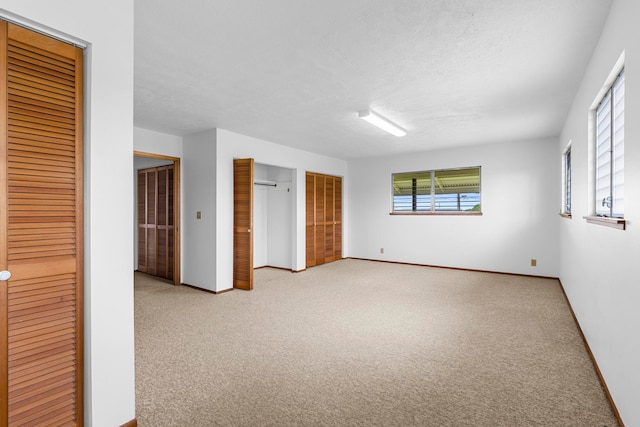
x=381, y=122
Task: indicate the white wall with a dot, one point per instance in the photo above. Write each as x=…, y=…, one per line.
x=519, y=193
x=599, y=266
x=199, y=235
x=231, y=145
x=109, y=343
x=207, y=182
x=152, y=142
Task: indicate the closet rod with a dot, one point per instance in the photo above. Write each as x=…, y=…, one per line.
x=268, y=184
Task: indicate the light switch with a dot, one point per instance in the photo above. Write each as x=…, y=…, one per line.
x=198, y=215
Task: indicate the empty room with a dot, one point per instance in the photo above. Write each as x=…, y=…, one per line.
x=363, y=212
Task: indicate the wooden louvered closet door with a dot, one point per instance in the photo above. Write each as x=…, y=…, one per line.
x=323, y=218
x=243, y=224
x=310, y=227
x=319, y=221
x=329, y=223
x=337, y=218
x=156, y=221
x=40, y=230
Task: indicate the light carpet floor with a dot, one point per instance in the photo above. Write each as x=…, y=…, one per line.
x=360, y=343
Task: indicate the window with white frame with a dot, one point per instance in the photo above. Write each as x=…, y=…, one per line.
x=566, y=179
x=609, y=151
x=437, y=191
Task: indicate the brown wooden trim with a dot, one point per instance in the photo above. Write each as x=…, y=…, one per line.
x=455, y=268
x=132, y=423
x=177, y=264
x=207, y=290
x=176, y=210
x=593, y=359
x=299, y=271
x=79, y=185
x=4, y=321
x=618, y=223
x=474, y=213
x=154, y=155
x=565, y=215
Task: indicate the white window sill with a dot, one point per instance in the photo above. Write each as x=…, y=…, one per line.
x=618, y=223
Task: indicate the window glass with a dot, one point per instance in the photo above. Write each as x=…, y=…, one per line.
x=412, y=192
x=448, y=190
x=457, y=190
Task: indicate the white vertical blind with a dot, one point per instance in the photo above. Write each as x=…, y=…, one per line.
x=610, y=152
x=603, y=156
x=567, y=181
x=617, y=169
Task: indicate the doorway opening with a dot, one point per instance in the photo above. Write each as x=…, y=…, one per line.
x=263, y=225
x=157, y=215
x=273, y=224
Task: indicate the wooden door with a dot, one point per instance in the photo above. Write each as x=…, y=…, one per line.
x=323, y=218
x=337, y=218
x=243, y=224
x=329, y=223
x=142, y=221
x=164, y=222
x=319, y=221
x=41, y=244
x=310, y=222
x=149, y=237
x=156, y=221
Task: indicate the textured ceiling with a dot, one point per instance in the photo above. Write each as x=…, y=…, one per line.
x=296, y=72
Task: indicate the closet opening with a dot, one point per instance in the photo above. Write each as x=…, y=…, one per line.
x=273, y=204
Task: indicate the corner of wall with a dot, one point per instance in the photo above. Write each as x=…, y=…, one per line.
x=199, y=231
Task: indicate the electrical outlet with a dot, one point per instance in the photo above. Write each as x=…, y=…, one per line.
x=534, y=262
x=381, y=250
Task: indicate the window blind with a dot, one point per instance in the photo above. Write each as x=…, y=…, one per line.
x=610, y=152
x=617, y=182
x=567, y=182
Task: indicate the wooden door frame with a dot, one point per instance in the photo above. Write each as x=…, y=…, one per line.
x=176, y=210
x=4, y=192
